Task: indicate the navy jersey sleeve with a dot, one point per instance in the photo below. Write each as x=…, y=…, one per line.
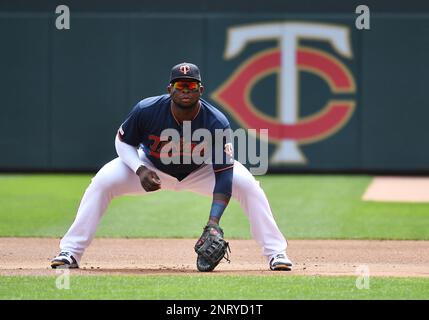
x=131, y=130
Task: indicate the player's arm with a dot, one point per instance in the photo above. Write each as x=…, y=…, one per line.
x=127, y=153
x=223, y=167
x=126, y=144
x=221, y=194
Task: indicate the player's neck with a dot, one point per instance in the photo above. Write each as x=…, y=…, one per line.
x=185, y=114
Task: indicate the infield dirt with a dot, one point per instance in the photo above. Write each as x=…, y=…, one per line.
x=31, y=256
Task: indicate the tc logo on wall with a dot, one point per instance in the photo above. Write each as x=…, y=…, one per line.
x=287, y=129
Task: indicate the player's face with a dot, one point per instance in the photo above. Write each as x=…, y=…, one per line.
x=185, y=93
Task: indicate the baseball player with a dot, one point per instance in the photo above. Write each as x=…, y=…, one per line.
x=140, y=168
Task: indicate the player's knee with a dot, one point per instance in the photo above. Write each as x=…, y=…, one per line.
x=102, y=183
x=245, y=186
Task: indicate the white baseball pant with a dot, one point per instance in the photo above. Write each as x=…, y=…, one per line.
x=116, y=178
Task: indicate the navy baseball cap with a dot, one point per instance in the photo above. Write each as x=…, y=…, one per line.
x=185, y=70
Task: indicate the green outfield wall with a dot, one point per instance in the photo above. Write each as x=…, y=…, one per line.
x=333, y=97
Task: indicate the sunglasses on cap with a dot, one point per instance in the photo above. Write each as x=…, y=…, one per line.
x=191, y=85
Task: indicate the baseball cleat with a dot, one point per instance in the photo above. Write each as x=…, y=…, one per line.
x=64, y=261
x=280, y=262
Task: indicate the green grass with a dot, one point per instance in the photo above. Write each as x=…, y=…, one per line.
x=211, y=288
x=305, y=207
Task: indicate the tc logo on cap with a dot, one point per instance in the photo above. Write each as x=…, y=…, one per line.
x=185, y=69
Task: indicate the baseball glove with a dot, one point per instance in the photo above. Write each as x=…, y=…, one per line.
x=211, y=248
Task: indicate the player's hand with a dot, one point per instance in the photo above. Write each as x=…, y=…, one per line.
x=149, y=179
